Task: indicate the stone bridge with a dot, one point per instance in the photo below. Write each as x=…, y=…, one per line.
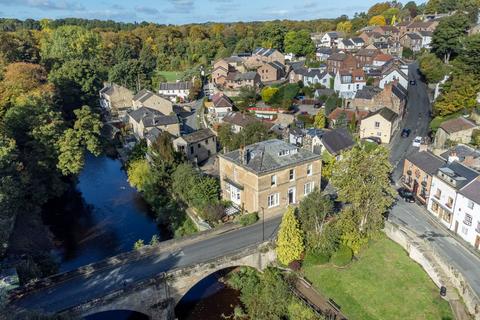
x=157, y=297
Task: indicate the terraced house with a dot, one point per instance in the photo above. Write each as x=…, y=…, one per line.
x=269, y=175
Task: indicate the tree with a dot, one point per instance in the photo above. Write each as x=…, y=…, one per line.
x=446, y=39
x=131, y=74
x=320, y=120
x=390, y=14
x=459, y=93
x=290, y=242
x=139, y=174
x=267, y=93
x=195, y=90
x=312, y=215
x=469, y=58
x=248, y=97
x=272, y=35
x=377, y=21
x=299, y=43
x=344, y=26
x=432, y=68
x=362, y=178
x=378, y=9
x=341, y=121
x=412, y=8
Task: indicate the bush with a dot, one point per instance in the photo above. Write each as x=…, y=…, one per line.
x=248, y=219
x=314, y=258
x=342, y=256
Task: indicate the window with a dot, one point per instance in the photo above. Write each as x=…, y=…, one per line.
x=379, y=134
x=450, y=202
x=377, y=124
x=273, y=200
x=438, y=194
x=308, y=188
x=468, y=219
x=291, y=174
x=434, y=207
x=470, y=204
x=191, y=150
x=309, y=169
x=273, y=180
x=199, y=146
x=234, y=194
x=206, y=141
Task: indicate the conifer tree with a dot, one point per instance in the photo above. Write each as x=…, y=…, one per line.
x=290, y=244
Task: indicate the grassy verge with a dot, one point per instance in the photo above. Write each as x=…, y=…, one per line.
x=383, y=284
x=171, y=76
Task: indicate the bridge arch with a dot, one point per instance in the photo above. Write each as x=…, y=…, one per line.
x=118, y=314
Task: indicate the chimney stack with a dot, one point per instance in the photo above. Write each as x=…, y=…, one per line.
x=453, y=157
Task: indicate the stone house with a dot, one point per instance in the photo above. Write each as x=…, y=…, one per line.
x=392, y=73
x=116, y=99
x=392, y=96
x=144, y=119
x=334, y=142
x=382, y=124
x=239, y=120
x=271, y=71
x=220, y=106
x=365, y=57
x=457, y=130
x=341, y=61
x=222, y=67
x=349, y=115
x=268, y=176
x=412, y=40
x=268, y=55
x=197, y=146
x=175, y=90
x=418, y=171
x=236, y=80
x=151, y=100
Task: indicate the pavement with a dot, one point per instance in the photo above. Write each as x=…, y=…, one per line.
x=78, y=290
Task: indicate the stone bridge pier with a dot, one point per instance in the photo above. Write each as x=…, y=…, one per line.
x=158, y=296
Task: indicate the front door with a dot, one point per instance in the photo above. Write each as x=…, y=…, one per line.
x=291, y=195
x=456, y=226
x=477, y=242
x=415, y=187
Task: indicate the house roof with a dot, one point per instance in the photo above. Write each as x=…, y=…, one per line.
x=180, y=85
x=220, y=100
x=115, y=89
x=153, y=134
x=367, y=92
x=239, y=119
x=366, y=52
x=462, y=151
x=426, y=161
x=270, y=155
x=414, y=36
x=386, y=113
x=460, y=173
x=383, y=57
x=472, y=191
x=264, y=52
x=325, y=50
x=399, y=91
x=426, y=33
x=357, y=40
x=359, y=114
x=197, y=136
x=250, y=75
x=277, y=65
x=456, y=125
x=297, y=65
x=151, y=117
x=337, y=140
x=347, y=42
x=337, y=56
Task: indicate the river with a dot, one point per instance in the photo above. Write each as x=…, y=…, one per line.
x=104, y=216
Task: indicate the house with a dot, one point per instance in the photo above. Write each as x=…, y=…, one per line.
x=341, y=61
x=347, y=83
x=348, y=115
x=116, y=99
x=297, y=74
x=466, y=216
x=222, y=67
x=144, y=119
x=411, y=40
x=457, y=130
x=392, y=73
x=239, y=121
x=335, y=141
x=426, y=39
x=358, y=42
x=197, y=146
x=268, y=176
x=464, y=154
x=381, y=123
x=369, y=98
x=346, y=44
x=146, y=98
x=331, y=39
x=418, y=171
x=446, y=184
x=221, y=105
x=380, y=59
x=237, y=80
x=391, y=32
x=316, y=76
x=323, y=53
x=268, y=55
x=364, y=57
x=417, y=26
x=175, y=90
x=271, y=71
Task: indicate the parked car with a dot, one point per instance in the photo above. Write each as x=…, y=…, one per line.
x=406, y=133
x=406, y=195
x=417, y=142
x=413, y=82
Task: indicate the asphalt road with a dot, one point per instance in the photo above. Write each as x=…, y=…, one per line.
x=81, y=289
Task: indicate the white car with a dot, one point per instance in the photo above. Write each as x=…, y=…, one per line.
x=417, y=141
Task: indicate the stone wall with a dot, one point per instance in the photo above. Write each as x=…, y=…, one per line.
x=440, y=271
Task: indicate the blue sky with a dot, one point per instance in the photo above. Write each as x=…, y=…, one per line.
x=183, y=11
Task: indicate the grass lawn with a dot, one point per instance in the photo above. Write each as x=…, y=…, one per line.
x=171, y=76
x=383, y=284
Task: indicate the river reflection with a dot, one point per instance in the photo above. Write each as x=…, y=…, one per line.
x=104, y=216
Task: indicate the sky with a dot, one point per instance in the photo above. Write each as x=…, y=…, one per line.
x=183, y=11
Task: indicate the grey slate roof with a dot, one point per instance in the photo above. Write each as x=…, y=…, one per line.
x=264, y=52
x=180, y=85
x=472, y=191
x=357, y=40
x=426, y=161
x=153, y=134
x=414, y=36
x=367, y=92
x=458, y=172
x=151, y=117
x=399, y=91
x=264, y=156
x=462, y=151
x=198, y=135
x=386, y=113
x=337, y=140
x=250, y=75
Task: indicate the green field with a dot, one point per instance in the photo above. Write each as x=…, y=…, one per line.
x=171, y=76
x=384, y=284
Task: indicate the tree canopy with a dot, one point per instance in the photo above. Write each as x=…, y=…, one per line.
x=290, y=242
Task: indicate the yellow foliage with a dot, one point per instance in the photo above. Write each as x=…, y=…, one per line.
x=377, y=21
x=290, y=242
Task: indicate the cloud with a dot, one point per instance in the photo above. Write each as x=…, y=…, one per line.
x=46, y=4
x=147, y=10
x=181, y=6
